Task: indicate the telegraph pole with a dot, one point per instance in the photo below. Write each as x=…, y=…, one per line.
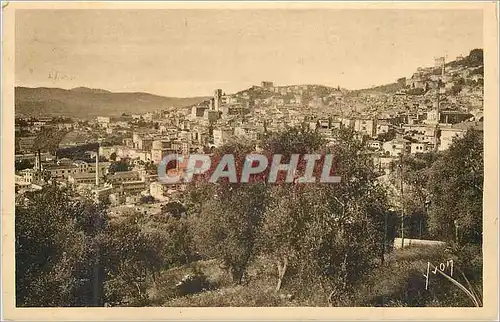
x=385, y=237
x=96, y=268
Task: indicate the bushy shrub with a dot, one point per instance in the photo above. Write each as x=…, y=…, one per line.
x=192, y=283
x=401, y=281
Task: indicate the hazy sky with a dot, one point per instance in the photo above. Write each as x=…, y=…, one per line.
x=192, y=52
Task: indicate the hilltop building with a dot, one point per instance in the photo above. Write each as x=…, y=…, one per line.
x=266, y=84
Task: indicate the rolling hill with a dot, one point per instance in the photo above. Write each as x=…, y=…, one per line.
x=85, y=102
x=474, y=59
x=381, y=89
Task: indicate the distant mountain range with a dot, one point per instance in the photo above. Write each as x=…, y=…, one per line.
x=83, y=102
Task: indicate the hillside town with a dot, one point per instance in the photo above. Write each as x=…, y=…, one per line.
x=117, y=157
x=270, y=155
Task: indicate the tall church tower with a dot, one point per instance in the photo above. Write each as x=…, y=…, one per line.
x=217, y=99
x=38, y=161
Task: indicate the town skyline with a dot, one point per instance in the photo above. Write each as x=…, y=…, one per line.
x=254, y=157
x=256, y=83
x=306, y=47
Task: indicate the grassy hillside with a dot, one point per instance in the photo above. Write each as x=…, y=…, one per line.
x=84, y=102
x=382, y=89
x=399, y=282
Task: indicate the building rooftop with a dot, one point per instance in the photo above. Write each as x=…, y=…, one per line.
x=124, y=174
x=468, y=125
x=85, y=175
x=52, y=166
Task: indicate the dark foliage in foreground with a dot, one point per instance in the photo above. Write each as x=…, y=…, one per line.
x=259, y=244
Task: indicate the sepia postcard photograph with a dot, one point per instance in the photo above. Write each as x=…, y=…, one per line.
x=260, y=160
